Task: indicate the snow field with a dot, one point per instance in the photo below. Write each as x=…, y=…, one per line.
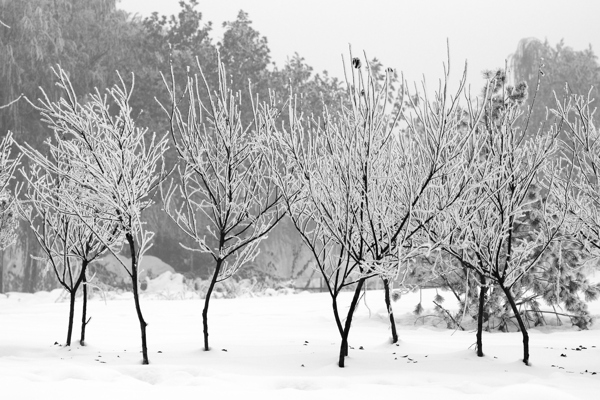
x=283, y=347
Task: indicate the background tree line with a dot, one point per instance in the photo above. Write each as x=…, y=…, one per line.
x=91, y=39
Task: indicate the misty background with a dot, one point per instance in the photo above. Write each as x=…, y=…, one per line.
x=275, y=46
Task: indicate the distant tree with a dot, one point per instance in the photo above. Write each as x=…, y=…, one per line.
x=171, y=40
x=8, y=215
x=8, y=220
x=224, y=178
x=182, y=32
x=312, y=91
x=246, y=56
x=562, y=68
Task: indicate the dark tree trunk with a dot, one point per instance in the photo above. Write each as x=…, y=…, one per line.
x=84, y=319
x=213, y=281
x=388, y=306
x=345, y=334
x=136, y=297
x=338, y=321
x=515, y=310
x=482, y=293
x=336, y=314
x=72, y=294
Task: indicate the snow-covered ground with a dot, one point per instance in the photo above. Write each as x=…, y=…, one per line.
x=277, y=347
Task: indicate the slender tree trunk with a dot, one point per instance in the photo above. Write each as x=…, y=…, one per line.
x=136, y=297
x=515, y=310
x=338, y=321
x=388, y=306
x=84, y=320
x=482, y=293
x=72, y=294
x=213, y=281
x=345, y=334
x=336, y=314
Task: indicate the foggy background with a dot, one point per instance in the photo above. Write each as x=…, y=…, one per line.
x=275, y=45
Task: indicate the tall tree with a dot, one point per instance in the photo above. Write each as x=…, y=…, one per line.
x=118, y=166
x=495, y=243
x=54, y=208
x=171, y=42
x=246, y=56
x=362, y=193
x=224, y=178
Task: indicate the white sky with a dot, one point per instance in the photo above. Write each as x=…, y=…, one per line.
x=407, y=35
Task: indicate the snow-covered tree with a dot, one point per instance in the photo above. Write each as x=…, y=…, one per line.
x=360, y=187
x=224, y=199
x=498, y=243
x=55, y=207
x=581, y=141
x=580, y=174
x=115, y=163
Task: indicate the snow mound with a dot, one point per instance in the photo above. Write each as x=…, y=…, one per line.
x=54, y=296
x=174, y=286
x=166, y=282
x=168, y=285
x=150, y=267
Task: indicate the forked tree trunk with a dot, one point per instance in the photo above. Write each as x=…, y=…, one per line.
x=84, y=319
x=388, y=306
x=345, y=334
x=515, y=310
x=482, y=293
x=136, y=297
x=213, y=281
